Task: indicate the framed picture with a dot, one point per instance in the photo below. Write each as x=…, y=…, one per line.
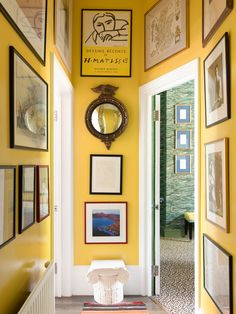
x=182, y=139
x=28, y=106
x=214, y=13
x=63, y=30
x=26, y=197
x=29, y=19
x=43, y=208
x=7, y=204
x=106, y=222
x=183, y=164
x=106, y=42
x=182, y=114
x=165, y=30
x=217, y=177
x=106, y=174
x=217, y=83
x=217, y=267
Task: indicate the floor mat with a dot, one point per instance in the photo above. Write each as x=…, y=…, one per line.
x=177, y=276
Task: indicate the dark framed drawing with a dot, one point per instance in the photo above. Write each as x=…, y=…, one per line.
x=214, y=13
x=182, y=113
x=28, y=106
x=165, y=30
x=63, y=30
x=218, y=272
x=29, y=19
x=183, y=164
x=106, y=174
x=182, y=139
x=43, y=207
x=217, y=177
x=106, y=42
x=7, y=204
x=217, y=83
x=26, y=197
x=105, y=222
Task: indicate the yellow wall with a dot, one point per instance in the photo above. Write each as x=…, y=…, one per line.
x=225, y=129
x=21, y=259
x=127, y=144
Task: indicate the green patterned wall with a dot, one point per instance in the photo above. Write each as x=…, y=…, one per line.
x=176, y=190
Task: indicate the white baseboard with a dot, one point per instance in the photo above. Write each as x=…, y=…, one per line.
x=80, y=285
x=199, y=311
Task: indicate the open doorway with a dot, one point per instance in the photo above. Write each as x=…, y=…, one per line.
x=63, y=179
x=173, y=188
x=148, y=221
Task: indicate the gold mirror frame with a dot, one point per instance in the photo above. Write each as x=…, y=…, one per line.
x=106, y=97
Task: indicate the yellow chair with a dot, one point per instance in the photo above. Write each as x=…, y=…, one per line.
x=189, y=223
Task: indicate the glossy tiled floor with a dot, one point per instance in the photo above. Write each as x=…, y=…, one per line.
x=74, y=304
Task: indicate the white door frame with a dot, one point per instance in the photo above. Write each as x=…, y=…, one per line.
x=174, y=78
x=63, y=179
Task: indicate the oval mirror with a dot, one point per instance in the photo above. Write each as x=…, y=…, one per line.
x=106, y=118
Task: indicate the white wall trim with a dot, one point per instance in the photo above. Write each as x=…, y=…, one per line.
x=63, y=188
x=82, y=287
x=174, y=78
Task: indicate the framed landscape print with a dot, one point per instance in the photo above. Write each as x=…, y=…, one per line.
x=182, y=113
x=106, y=174
x=42, y=193
x=63, y=30
x=217, y=83
x=183, y=164
x=182, y=139
x=7, y=204
x=28, y=106
x=165, y=30
x=105, y=222
x=218, y=281
x=26, y=197
x=106, y=42
x=29, y=19
x=217, y=183
x=213, y=15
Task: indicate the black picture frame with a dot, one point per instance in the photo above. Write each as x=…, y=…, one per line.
x=27, y=23
x=217, y=274
x=27, y=181
x=43, y=204
x=28, y=105
x=7, y=204
x=106, y=174
x=217, y=83
x=106, y=53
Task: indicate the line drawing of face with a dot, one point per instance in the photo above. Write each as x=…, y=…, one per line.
x=104, y=22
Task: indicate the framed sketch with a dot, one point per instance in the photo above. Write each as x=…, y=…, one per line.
x=214, y=13
x=43, y=208
x=183, y=164
x=29, y=19
x=218, y=282
x=106, y=174
x=165, y=30
x=217, y=83
x=217, y=177
x=106, y=222
x=63, y=30
x=106, y=42
x=182, y=139
x=28, y=106
x=7, y=204
x=182, y=113
x=26, y=197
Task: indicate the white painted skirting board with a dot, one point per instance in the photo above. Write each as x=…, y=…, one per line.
x=80, y=286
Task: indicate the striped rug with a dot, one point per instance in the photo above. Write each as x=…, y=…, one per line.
x=120, y=308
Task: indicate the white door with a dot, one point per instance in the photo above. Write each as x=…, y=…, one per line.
x=156, y=193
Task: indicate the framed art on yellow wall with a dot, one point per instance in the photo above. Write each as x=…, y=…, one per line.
x=106, y=42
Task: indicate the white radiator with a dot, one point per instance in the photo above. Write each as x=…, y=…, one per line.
x=42, y=299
